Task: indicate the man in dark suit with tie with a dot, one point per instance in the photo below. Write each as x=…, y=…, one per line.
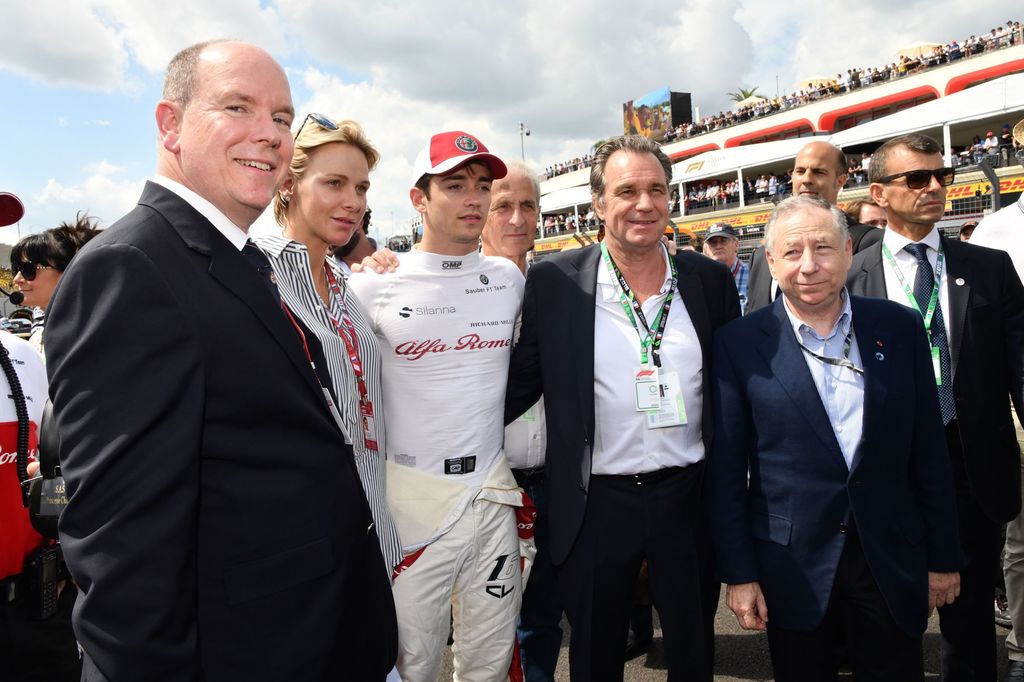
x=972, y=304
x=831, y=493
x=617, y=338
x=216, y=524
x=819, y=170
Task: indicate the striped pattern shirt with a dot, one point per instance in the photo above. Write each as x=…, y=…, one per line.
x=290, y=261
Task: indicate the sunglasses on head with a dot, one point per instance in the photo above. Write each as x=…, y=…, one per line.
x=28, y=269
x=919, y=179
x=320, y=120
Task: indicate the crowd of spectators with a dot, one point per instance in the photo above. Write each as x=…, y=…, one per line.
x=1012, y=33
x=579, y=163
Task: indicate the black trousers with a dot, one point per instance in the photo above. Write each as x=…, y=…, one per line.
x=39, y=651
x=858, y=617
x=968, y=650
x=660, y=518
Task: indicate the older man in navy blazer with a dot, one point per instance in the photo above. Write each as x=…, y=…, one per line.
x=831, y=493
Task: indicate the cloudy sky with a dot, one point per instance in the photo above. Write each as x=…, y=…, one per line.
x=80, y=78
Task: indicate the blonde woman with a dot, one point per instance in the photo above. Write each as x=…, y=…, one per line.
x=320, y=205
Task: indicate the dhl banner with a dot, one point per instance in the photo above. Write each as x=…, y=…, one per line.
x=1006, y=186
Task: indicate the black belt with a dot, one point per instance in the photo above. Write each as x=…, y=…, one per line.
x=651, y=477
x=527, y=476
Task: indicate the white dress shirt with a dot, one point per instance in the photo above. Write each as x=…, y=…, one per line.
x=908, y=266
x=840, y=388
x=234, y=234
x=623, y=444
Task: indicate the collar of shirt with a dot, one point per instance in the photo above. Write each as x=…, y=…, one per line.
x=234, y=234
x=609, y=288
x=842, y=325
x=896, y=242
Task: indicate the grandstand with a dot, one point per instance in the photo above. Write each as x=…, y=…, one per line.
x=954, y=102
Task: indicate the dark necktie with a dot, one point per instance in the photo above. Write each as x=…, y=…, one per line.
x=260, y=262
x=923, y=284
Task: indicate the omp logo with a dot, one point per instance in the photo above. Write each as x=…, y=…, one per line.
x=406, y=311
x=451, y=264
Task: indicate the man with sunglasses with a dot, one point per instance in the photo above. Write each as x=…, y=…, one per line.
x=972, y=303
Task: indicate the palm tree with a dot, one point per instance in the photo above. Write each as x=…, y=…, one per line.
x=742, y=93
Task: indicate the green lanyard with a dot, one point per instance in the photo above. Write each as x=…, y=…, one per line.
x=933, y=302
x=650, y=340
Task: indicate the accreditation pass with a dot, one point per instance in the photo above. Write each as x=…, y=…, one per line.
x=658, y=396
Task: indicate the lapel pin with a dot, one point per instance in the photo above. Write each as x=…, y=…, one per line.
x=960, y=281
x=879, y=356
x=879, y=343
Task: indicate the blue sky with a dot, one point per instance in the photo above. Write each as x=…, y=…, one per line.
x=80, y=78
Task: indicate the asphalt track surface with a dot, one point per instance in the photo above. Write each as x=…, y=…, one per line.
x=740, y=656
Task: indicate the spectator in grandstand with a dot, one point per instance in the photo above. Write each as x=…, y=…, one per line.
x=448, y=313
x=508, y=233
x=908, y=179
x=1004, y=230
x=322, y=203
x=216, y=524
x=722, y=244
x=625, y=484
x=39, y=260
x=866, y=212
x=805, y=535
x=819, y=170
x=967, y=230
x=991, y=144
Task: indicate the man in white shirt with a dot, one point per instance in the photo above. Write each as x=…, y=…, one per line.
x=509, y=233
x=616, y=336
x=1004, y=230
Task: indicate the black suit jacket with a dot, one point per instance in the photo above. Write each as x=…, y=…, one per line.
x=216, y=524
x=759, y=286
x=555, y=356
x=986, y=317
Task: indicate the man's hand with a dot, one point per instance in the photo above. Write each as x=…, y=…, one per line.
x=380, y=262
x=747, y=602
x=943, y=588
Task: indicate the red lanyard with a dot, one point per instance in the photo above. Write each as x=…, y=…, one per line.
x=347, y=332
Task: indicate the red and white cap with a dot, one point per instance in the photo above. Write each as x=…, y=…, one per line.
x=446, y=151
x=11, y=209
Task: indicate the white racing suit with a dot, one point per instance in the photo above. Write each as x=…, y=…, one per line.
x=445, y=324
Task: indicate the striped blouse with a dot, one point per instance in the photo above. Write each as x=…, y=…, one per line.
x=290, y=261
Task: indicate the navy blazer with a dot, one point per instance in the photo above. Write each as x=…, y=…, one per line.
x=215, y=523
x=986, y=345
x=786, y=527
x=555, y=356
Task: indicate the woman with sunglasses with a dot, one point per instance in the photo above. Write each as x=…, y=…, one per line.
x=320, y=205
x=39, y=260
